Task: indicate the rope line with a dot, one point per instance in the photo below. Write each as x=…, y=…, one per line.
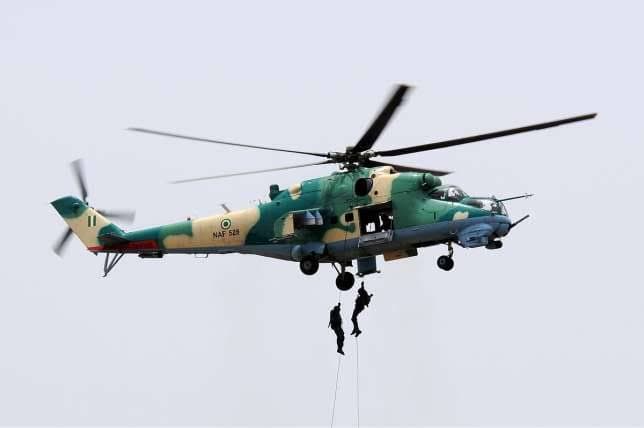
x=335, y=394
x=357, y=382
x=344, y=250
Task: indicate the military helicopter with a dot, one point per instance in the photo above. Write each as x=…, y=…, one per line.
x=367, y=208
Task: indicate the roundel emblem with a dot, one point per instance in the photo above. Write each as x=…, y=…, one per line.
x=226, y=223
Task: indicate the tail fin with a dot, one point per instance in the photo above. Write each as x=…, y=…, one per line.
x=86, y=223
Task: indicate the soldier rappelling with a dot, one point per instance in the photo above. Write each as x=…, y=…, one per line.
x=335, y=323
x=362, y=301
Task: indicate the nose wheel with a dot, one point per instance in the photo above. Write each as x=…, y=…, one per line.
x=446, y=262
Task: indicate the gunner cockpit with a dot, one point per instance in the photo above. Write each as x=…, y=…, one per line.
x=448, y=193
x=487, y=204
x=451, y=193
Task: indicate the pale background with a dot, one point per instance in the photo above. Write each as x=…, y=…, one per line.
x=546, y=331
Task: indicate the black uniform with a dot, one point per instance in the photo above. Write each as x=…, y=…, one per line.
x=362, y=301
x=335, y=323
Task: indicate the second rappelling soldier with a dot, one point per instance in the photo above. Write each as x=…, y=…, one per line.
x=335, y=323
x=362, y=301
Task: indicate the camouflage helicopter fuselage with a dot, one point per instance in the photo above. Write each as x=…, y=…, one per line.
x=370, y=208
x=322, y=218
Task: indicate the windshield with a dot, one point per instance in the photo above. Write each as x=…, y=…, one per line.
x=448, y=193
x=488, y=204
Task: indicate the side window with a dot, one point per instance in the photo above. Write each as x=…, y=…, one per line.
x=438, y=194
x=348, y=217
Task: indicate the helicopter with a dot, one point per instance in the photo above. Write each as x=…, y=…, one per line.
x=365, y=209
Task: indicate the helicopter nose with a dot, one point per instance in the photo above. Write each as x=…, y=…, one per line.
x=503, y=225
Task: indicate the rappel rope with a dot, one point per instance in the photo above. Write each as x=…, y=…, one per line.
x=337, y=382
x=335, y=394
x=337, y=375
x=357, y=383
x=346, y=232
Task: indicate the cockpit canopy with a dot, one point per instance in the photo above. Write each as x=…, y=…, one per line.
x=456, y=194
x=487, y=204
x=448, y=193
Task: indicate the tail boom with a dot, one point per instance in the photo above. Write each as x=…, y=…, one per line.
x=223, y=232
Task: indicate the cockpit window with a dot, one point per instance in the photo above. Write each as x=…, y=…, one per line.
x=487, y=204
x=448, y=193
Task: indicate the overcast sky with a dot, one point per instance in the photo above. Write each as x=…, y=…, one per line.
x=545, y=331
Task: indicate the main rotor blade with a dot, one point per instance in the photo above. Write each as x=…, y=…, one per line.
x=79, y=174
x=60, y=245
x=481, y=137
x=259, y=171
x=207, y=140
x=123, y=215
x=402, y=168
x=373, y=132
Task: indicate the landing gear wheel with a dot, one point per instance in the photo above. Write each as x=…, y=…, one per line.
x=344, y=281
x=445, y=262
x=309, y=266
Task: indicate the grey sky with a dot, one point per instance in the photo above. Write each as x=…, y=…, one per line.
x=546, y=331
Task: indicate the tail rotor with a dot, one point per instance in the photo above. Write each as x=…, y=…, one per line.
x=61, y=243
x=78, y=171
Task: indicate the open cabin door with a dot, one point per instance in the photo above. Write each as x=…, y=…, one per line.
x=376, y=224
